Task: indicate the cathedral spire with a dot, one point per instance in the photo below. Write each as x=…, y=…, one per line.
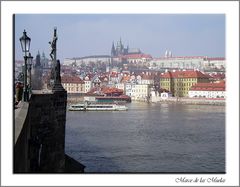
x=113, y=50
x=38, y=60
x=121, y=45
x=113, y=47
x=43, y=55
x=120, y=40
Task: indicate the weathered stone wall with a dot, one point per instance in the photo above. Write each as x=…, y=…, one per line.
x=43, y=134
x=40, y=135
x=47, y=119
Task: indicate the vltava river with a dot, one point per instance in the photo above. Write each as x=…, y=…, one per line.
x=149, y=138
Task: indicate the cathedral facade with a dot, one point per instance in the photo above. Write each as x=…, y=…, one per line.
x=120, y=50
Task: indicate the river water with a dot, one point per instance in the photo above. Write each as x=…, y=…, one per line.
x=149, y=138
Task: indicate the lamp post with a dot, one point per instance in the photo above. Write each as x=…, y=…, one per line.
x=25, y=44
x=29, y=68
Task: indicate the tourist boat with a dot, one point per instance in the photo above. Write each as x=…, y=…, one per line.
x=97, y=107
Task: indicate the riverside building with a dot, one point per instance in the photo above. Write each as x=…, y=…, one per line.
x=208, y=90
x=73, y=84
x=180, y=82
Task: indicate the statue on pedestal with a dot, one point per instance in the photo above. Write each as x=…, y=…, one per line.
x=58, y=70
x=53, y=45
x=55, y=72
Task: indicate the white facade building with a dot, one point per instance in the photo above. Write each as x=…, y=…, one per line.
x=138, y=58
x=206, y=94
x=165, y=95
x=146, y=81
x=88, y=84
x=218, y=63
x=128, y=89
x=140, y=92
x=72, y=84
x=208, y=90
x=188, y=62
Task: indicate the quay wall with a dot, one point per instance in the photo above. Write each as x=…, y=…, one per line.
x=181, y=100
x=194, y=101
x=75, y=99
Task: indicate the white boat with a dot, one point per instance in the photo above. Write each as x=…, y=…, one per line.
x=97, y=107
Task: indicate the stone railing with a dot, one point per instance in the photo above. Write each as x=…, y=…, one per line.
x=21, y=137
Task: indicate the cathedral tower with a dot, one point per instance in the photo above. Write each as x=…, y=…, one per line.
x=113, y=50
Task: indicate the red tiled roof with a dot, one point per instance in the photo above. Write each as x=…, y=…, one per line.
x=103, y=78
x=208, y=87
x=125, y=79
x=180, y=57
x=114, y=97
x=106, y=90
x=184, y=74
x=190, y=57
x=90, y=76
x=147, y=77
x=137, y=56
x=113, y=74
x=71, y=79
x=111, y=90
x=216, y=58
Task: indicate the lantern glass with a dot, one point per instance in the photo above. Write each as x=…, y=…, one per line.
x=25, y=42
x=29, y=59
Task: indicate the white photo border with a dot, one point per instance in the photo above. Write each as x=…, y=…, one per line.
x=229, y=8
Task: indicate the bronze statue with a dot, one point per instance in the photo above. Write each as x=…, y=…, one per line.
x=53, y=46
x=55, y=80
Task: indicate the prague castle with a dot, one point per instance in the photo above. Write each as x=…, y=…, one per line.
x=121, y=50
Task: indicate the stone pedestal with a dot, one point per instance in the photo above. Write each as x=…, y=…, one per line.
x=47, y=143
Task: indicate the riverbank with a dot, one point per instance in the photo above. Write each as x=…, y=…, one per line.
x=74, y=100
x=192, y=101
x=195, y=101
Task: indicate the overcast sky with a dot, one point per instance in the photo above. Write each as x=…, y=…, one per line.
x=92, y=34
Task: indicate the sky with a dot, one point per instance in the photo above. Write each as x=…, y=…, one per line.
x=92, y=34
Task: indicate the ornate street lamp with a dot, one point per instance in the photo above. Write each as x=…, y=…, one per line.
x=29, y=68
x=25, y=44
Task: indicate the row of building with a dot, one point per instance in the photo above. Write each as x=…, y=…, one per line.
x=168, y=75
x=188, y=62
x=188, y=83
